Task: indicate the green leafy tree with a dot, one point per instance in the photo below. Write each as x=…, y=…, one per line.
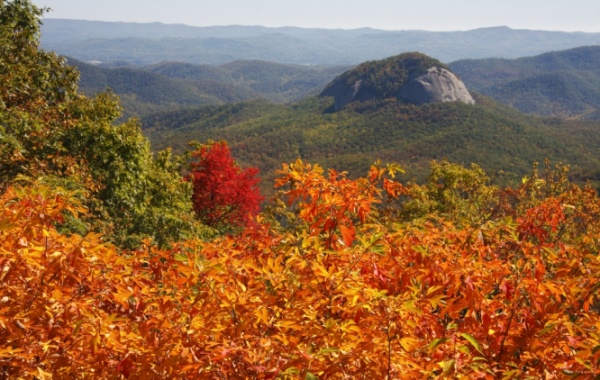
x=452, y=191
x=48, y=129
x=35, y=86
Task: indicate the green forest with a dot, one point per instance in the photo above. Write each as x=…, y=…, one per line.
x=504, y=142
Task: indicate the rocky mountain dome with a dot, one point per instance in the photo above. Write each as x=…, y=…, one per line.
x=410, y=77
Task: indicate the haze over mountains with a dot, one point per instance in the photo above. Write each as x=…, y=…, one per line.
x=143, y=44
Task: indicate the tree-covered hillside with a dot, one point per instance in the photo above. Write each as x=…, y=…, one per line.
x=172, y=85
x=561, y=84
x=279, y=83
x=499, y=139
x=143, y=92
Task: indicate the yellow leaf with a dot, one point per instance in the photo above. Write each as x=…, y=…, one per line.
x=95, y=344
x=436, y=342
x=43, y=374
x=433, y=289
x=46, y=346
x=473, y=341
x=447, y=366
x=289, y=325
x=242, y=286
x=409, y=343
x=10, y=351
x=350, y=327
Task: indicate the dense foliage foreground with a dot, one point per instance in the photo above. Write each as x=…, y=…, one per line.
x=484, y=284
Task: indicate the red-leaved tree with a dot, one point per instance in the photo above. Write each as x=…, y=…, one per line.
x=224, y=195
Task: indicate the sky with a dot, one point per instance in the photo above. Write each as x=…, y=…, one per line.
x=434, y=15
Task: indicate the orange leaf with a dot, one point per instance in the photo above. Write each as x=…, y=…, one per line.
x=540, y=270
x=348, y=234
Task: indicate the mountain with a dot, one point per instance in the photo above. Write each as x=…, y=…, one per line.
x=409, y=77
x=143, y=92
x=276, y=82
x=560, y=84
x=144, y=44
x=172, y=85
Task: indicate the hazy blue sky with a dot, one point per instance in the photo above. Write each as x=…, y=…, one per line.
x=570, y=15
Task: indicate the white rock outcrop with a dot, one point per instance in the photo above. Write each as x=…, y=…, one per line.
x=437, y=86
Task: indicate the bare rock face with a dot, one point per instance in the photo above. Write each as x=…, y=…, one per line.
x=437, y=86
x=344, y=94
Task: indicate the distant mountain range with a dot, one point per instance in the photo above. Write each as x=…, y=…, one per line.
x=144, y=44
x=559, y=84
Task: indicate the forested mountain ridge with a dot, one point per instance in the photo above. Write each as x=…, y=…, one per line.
x=275, y=82
x=561, y=83
x=173, y=85
x=142, y=92
x=106, y=42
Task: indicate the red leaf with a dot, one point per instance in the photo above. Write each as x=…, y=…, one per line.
x=540, y=270
x=126, y=366
x=508, y=289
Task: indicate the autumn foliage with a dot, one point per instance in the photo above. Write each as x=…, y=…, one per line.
x=350, y=292
x=224, y=195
